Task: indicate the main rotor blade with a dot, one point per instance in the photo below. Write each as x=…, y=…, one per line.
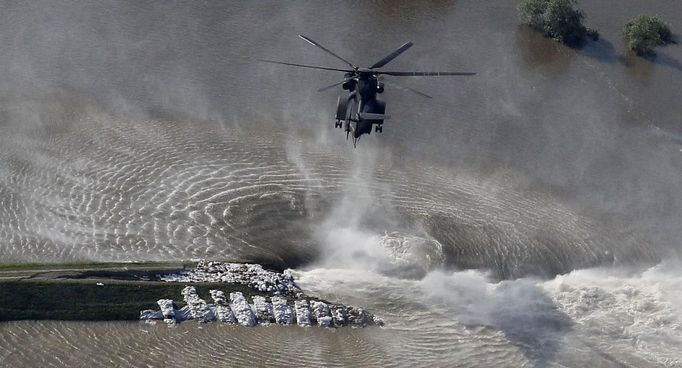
x=391, y=56
x=305, y=66
x=327, y=50
x=408, y=89
x=332, y=86
x=424, y=74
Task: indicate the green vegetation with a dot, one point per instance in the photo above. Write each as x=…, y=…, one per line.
x=84, y=300
x=89, y=265
x=558, y=19
x=646, y=32
x=69, y=291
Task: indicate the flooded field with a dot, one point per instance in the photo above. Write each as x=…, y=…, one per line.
x=519, y=218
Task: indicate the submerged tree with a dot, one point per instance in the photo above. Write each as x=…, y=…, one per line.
x=646, y=32
x=559, y=19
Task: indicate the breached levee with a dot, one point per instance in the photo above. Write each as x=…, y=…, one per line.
x=280, y=302
x=252, y=275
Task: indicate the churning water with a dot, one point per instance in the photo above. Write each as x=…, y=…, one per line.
x=518, y=219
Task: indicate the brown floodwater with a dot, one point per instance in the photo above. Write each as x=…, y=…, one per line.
x=147, y=131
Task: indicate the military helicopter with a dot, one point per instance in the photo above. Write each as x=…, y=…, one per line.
x=358, y=111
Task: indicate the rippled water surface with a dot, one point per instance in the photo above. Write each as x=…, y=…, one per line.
x=147, y=131
x=601, y=317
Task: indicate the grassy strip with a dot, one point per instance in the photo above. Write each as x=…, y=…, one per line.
x=90, y=265
x=84, y=300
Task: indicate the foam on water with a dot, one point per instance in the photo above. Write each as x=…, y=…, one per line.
x=633, y=313
x=608, y=316
x=211, y=156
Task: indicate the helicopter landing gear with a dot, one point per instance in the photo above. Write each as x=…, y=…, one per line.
x=379, y=128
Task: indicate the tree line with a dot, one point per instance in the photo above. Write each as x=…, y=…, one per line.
x=562, y=20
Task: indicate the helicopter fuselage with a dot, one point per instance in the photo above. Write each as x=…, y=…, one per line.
x=358, y=111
